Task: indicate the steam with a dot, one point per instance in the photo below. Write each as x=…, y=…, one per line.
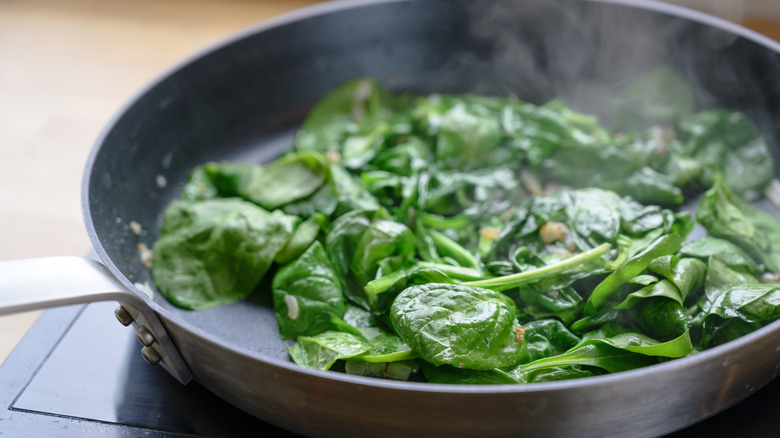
x=585, y=51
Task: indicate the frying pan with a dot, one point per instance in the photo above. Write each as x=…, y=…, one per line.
x=243, y=100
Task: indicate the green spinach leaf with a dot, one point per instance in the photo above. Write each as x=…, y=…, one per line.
x=465, y=327
x=323, y=350
x=284, y=181
x=216, y=251
x=308, y=298
x=664, y=245
x=739, y=311
x=727, y=216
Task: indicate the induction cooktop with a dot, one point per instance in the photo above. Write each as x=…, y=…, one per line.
x=79, y=373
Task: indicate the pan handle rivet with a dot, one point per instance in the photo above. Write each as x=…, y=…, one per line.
x=151, y=355
x=144, y=336
x=124, y=317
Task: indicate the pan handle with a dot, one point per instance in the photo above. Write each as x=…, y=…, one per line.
x=33, y=284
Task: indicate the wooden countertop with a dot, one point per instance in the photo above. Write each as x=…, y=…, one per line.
x=65, y=68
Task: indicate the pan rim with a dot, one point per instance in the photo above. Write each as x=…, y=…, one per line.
x=335, y=6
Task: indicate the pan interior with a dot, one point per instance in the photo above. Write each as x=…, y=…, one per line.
x=245, y=99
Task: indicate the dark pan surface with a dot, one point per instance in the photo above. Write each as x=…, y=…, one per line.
x=243, y=100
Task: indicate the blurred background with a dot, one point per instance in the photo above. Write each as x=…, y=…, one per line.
x=67, y=66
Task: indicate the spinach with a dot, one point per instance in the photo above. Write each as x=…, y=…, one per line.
x=547, y=337
x=354, y=108
x=308, y=298
x=727, y=216
x=549, y=298
x=466, y=130
x=728, y=143
x=740, y=310
x=532, y=275
x=288, y=179
x=466, y=327
x=721, y=277
x=400, y=370
x=385, y=245
x=481, y=239
x=363, y=343
x=725, y=251
x=664, y=245
x=386, y=346
x=687, y=274
x=323, y=350
x=662, y=318
x=363, y=244
x=614, y=350
x=382, y=291
x=463, y=376
x=583, y=219
x=214, y=252
x=301, y=238
x=659, y=96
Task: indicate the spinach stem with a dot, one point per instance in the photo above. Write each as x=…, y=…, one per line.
x=440, y=222
x=514, y=280
x=454, y=272
x=451, y=248
x=383, y=284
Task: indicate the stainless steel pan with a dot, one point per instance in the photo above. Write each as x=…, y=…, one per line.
x=244, y=98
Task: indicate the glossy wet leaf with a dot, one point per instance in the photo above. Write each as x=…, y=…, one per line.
x=664, y=245
x=286, y=180
x=728, y=143
x=301, y=238
x=687, y=274
x=547, y=337
x=386, y=346
x=705, y=247
x=342, y=113
x=740, y=310
x=308, y=298
x=215, y=251
x=323, y=350
x=618, y=352
x=721, y=277
x=725, y=215
x=465, y=327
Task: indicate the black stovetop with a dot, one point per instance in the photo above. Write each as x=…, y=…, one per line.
x=78, y=373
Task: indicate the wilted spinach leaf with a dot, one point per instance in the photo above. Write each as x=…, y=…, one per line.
x=351, y=109
x=547, y=337
x=363, y=244
x=705, y=247
x=739, y=311
x=664, y=245
x=728, y=142
x=464, y=376
x=323, y=350
x=286, y=180
x=308, y=298
x=215, y=251
x=616, y=352
x=725, y=215
x=721, y=277
x=660, y=96
x=465, y=327
x=386, y=346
